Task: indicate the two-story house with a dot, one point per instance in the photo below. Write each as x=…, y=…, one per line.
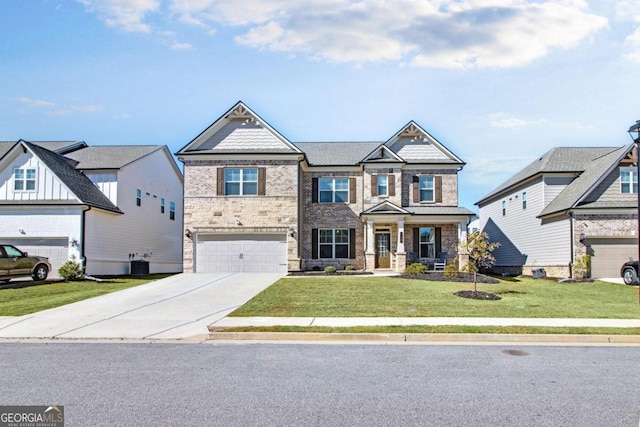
x=257, y=202
x=103, y=205
x=569, y=202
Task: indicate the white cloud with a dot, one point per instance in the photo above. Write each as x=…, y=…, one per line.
x=181, y=46
x=436, y=33
x=76, y=109
x=36, y=102
x=128, y=15
x=501, y=120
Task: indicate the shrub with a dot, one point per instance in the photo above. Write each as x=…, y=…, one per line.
x=451, y=269
x=582, y=267
x=329, y=269
x=349, y=268
x=415, y=269
x=316, y=268
x=71, y=270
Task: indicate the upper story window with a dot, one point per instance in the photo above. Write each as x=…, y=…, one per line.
x=333, y=190
x=138, y=197
x=504, y=208
x=172, y=211
x=628, y=181
x=383, y=185
x=524, y=200
x=24, y=179
x=162, y=205
x=241, y=182
x=427, y=189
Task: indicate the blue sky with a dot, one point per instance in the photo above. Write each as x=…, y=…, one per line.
x=498, y=82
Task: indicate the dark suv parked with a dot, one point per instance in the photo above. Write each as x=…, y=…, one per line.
x=15, y=263
x=629, y=272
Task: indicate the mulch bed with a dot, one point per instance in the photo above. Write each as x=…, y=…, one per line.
x=488, y=296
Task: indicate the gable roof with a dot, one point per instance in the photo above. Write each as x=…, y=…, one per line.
x=239, y=131
x=595, y=171
x=110, y=156
x=336, y=153
x=416, y=145
x=556, y=160
x=75, y=181
x=60, y=147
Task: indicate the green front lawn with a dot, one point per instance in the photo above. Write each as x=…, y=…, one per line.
x=30, y=299
x=341, y=296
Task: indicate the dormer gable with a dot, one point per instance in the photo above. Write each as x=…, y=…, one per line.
x=385, y=207
x=382, y=154
x=415, y=145
x=241, y=131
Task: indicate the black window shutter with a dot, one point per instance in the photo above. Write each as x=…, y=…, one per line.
x=314, y=190
x=438, y=240
x=352, y=190
x=262, y=181
x=437, y=182
x=416, y=241
x=352, y=243
x=314, y=243
x=220, y=182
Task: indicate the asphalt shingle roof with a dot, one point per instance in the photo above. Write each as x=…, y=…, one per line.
x=559, y=159
x=76, y=181
x=110, y=156
x=336, y=153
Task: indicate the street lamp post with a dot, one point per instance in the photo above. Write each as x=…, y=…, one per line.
x=634, y=131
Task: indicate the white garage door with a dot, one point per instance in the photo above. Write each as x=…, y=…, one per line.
x=241, y=253
x=56, y=249
x=609, y=254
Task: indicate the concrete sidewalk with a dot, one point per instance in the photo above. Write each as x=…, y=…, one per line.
x=347, y=322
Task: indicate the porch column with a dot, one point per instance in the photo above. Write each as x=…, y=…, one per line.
x=463, y=258
x=370, y=252
x=370, y=239
x=401, y=255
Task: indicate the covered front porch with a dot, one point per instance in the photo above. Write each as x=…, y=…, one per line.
x=396, y=237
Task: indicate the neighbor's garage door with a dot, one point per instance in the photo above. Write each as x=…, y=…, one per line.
x=609, y=254
x=241, y=253
x=56, y=249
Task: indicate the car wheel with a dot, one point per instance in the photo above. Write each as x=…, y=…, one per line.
x=40, y=273
x=630, y=277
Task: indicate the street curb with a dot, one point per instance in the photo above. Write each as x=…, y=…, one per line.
x=426, y=338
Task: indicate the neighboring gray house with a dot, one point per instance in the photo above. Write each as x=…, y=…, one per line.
x=104, y=205
x=567, y=203
x=254, y=201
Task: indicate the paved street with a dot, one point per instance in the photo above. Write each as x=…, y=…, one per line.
x=150, y=384
x=176, y=307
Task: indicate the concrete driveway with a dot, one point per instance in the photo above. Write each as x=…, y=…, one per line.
x=176, y=307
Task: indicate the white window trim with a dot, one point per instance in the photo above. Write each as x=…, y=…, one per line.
x=422, y=179
x=333, y=190
x=633, y=174
x=24, y=180
x=242, y=181
x=333, y=242
x=432, y=244
x=386, y=186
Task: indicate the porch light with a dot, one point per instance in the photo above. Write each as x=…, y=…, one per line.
x=634, y=132
x=187, y=233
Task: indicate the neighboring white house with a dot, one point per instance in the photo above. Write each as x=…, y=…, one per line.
x=569, y=202
x=104, y=205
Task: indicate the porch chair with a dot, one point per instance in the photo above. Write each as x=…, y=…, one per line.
x=441, y=262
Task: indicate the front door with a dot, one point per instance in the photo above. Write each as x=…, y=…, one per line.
x=383, y=250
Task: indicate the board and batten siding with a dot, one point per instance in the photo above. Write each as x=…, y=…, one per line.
x=48, y=186
x=141, y=229
x=524, y=238
x=107, y=182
